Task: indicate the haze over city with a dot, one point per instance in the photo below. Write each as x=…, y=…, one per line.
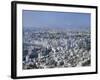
x=56, y=20
x=56, y=39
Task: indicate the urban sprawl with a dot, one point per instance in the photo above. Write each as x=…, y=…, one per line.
x=56, y=49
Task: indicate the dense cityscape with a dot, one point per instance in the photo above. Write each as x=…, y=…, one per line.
x=56, y=49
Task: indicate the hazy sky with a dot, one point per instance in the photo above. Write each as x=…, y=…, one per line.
x=55, y=19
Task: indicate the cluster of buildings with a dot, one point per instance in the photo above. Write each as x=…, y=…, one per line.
x=56, y=49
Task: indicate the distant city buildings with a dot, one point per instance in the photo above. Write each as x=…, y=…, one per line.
x=56, y=49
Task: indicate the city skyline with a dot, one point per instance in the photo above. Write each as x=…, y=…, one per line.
x=48, y=42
